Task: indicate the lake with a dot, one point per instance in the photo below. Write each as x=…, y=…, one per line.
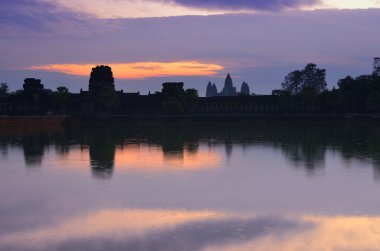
x=243, y=185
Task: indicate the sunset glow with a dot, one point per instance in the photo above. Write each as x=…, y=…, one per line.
x=139, y=70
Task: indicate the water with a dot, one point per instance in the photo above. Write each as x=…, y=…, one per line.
x=191, y=186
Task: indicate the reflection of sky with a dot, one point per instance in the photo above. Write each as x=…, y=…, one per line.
x=145, y=158
x=346, y=233
x=153, y=158
x=191, y=199
x=156, y=229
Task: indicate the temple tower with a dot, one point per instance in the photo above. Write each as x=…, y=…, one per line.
x=245, y=89
x=101, y=79
x=228, y=89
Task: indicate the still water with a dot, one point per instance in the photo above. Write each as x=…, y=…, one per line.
x=191, y=186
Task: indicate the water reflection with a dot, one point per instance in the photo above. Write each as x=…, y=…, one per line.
x=33, y=147
x=153, y=158
x=157, y=229
x=347, y=233
x=190, y=145
x=141, y=229
x=102, y=153
x=191, y=186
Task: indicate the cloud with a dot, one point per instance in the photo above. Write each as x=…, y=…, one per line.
x=350, y=4
x=29, y=14
x=138, y=70
x=163, y=8
x=26, y=18
x=247, y=4
x=131, y=8
x=47, y=14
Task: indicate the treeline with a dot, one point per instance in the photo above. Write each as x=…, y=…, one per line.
x=354, y=94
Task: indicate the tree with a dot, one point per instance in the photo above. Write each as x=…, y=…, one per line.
x=355, y=92
x=314, y=78
x=62, y=89
x=373, y=102
x=191, y=93
x=4, y=90
x=293, y=82
x=191, y=97
x=62, y=97
x=376, y=67
x=334, y=99
x=310, y=79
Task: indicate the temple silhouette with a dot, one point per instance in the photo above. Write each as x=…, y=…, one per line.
x=304, y=92
x=228, y=90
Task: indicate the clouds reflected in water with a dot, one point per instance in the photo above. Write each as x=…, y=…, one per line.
x=156, y=229
x=148, y=230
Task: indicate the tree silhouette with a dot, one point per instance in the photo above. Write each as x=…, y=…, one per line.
x=376, y=67
x=4, y=90
x=62, y=89
x=310, y=79
x=314, y=78
x=62, y=97
x=293, y=82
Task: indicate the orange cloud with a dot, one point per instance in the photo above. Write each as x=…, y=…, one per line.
x=138, y=70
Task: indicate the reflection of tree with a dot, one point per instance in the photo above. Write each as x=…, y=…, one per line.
x=229, y=148
x=192, y=148
x=62, y=142
x=308, y=155
x=3, y=150
x=303, y=143
x=376, y=169
x=174, y=138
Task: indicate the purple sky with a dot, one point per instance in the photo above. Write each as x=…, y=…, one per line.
x=256, y=41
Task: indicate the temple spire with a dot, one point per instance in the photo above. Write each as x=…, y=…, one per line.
x=228, y=89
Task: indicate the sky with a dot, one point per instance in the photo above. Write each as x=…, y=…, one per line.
x=149, y=42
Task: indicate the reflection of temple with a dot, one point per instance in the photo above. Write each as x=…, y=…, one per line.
x=102, y=147
x=179, y=144
x=34, y=147
x=228, y=89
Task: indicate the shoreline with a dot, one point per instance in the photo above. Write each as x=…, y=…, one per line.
x=59, y=120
